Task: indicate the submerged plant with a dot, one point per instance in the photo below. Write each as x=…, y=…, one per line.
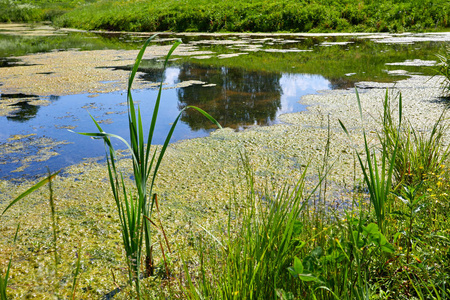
x=135, y=210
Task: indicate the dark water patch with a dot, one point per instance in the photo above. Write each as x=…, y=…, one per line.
x=8, y=62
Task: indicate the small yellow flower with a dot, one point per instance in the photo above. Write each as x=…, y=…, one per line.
x=429, y=190
x=439, y=183
x=421, y=167
x=400, y=248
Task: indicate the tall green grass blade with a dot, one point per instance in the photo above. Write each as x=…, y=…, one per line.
x=30, y=190
x=378, y=178
x=135, y=210
x=77, y=272
x=4, y=280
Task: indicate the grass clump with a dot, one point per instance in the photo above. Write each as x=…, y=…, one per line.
x=279, y=245
x=135, y=210
x=418, y=152
x=443, y=69
x=262, y=239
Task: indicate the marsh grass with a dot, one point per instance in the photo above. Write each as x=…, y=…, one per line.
x=443, y=68
x=4, y=278
x=378, y=174
x=419, y=151
x=135, y=207
x=260, y=243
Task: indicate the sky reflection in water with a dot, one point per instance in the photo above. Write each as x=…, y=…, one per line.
x=237, y=99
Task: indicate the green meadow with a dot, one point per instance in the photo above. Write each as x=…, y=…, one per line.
x=234, y=16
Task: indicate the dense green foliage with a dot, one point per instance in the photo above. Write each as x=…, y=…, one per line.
x=235, y=16
x=34, y=11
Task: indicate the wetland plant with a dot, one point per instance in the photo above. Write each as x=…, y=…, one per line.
x=4, y=278
x=135, y=207
x=419, y=151
x=378, y=174
x=443, y=68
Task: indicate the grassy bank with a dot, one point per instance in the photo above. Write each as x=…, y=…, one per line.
x=235, y=16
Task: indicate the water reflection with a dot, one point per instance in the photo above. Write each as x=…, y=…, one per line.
x=235, y=97
x=25, y=107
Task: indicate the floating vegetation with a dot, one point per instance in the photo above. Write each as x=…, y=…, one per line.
x=22, y=150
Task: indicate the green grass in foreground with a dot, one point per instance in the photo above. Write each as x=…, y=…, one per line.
x=235, y=16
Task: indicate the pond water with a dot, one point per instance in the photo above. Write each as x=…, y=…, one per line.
x=241, y=80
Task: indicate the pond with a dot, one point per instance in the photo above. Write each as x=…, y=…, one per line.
x=242, y=80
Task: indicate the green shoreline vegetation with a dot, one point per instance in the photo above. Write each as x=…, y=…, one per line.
x=235, y=16
x=270, y=239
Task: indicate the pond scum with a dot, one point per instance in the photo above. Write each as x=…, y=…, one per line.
x=239, y=226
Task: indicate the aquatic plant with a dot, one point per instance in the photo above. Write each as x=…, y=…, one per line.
x=263, y=236
x=419, y=151
x=135, y=211
x=443, y=68
x=378, y=178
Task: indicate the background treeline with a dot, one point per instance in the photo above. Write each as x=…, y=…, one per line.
x=235, y=16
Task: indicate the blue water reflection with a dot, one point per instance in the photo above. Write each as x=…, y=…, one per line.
x=235, y=97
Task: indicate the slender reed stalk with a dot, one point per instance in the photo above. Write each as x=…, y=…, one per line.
x=378, y=178
x=4, y=279
x=77, y=272
x=135, y=211
x=443, y=68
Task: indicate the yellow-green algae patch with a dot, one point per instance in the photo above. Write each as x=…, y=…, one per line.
x=196, y=181
x=75, y=72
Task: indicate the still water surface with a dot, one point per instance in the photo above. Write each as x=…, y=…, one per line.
x=241, y=91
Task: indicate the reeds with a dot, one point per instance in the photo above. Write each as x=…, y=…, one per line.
x=419, y=151
x=135, y=207
x=263, y=238
x=443, y=68
x=378, y=174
